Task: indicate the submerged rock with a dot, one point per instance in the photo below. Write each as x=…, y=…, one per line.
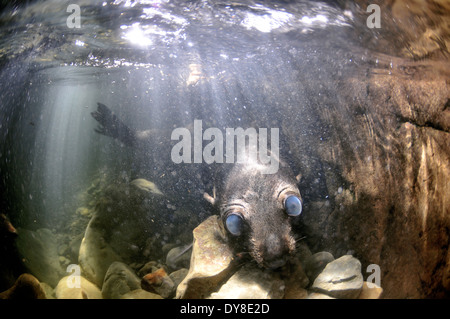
x=251, y=282
x=69, y=288
x=148, y=268
x=26, y=287
x=316, y=263
x=128, y=225
x=146, y=186
x=211, y=261
x=39, y=251
x=48, y=290
x=83, y=211
x=178, y=275
x=341, y=278
x=159, y=282
x=119, y=280
x=96, y=255
x=316, y=295
x=372, y=292
x=156, y=280
x=179, y=257
x=74, y=247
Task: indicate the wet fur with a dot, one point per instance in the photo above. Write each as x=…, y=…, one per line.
x=268, y=234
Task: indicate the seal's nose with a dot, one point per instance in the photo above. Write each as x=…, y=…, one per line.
x=275, y=264
x=274, y=252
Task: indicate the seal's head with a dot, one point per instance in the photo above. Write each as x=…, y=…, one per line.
x=257, y=209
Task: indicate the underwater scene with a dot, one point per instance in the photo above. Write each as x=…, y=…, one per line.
x=168, y=149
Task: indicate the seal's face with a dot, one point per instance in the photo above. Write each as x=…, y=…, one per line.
x=257, y=210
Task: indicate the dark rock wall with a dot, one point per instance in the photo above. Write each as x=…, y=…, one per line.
x=388, y=190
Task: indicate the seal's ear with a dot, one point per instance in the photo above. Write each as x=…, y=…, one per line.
x=298, y=177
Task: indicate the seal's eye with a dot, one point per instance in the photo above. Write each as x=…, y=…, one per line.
x=234, y=224
x=293, y=205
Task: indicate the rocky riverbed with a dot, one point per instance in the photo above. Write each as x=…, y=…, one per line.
x=96, y=267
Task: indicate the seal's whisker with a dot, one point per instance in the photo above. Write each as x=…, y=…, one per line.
x=298, y=239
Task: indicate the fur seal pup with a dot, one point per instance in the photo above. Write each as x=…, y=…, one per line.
x=256, y=209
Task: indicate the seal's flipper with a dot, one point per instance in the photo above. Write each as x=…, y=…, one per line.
x=111, y=125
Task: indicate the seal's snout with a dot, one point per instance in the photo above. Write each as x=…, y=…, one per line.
x=275, y=250
x=273, y=246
